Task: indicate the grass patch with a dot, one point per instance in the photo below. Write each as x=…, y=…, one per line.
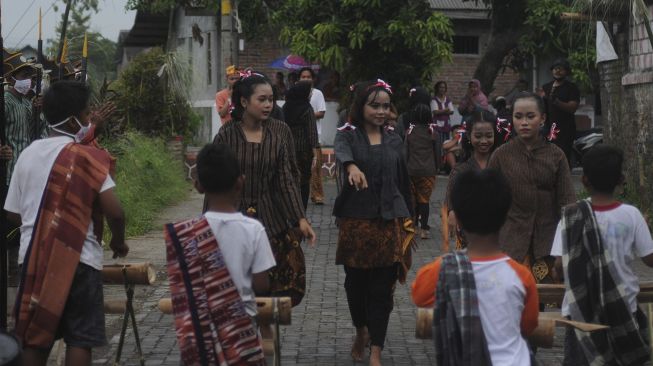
x=148, y=178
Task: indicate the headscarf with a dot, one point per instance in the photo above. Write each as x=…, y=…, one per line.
x=297, y=103
x=477, y=100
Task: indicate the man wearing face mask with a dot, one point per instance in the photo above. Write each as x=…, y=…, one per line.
x=562, y=98
x=20, y=131
x=58, y=186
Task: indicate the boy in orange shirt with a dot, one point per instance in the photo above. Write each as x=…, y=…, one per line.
x=485, y=302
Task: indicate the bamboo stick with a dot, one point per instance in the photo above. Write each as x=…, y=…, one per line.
x=554, y=293
x=137, y=274
x=264, y=308
x=115, y=306
x=542, y=336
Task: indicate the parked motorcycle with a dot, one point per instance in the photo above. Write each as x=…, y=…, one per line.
x=584, y=141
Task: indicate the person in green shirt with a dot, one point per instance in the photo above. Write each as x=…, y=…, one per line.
x=20, y=131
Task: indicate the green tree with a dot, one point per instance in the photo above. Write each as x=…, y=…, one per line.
x=102, y=51
x=402, y=41
x=151, y=95
x=521, y=29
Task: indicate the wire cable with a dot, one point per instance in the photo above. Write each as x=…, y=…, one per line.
x=21, y=17
x=35, y=24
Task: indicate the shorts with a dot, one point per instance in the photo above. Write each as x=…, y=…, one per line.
x=82, y=321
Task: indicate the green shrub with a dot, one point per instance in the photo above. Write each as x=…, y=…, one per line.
x=151, y=96
x=148, y=178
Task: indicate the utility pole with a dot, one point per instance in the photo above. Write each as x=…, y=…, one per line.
x=228, y=39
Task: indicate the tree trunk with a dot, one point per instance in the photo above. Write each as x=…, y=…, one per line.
x=500, y=45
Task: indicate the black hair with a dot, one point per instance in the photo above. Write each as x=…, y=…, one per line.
x=306, y=68
x=530, y=95
x=482, y=116
x=279, y=73
x=217, y=168
x=362, y=93
x=419, y=95
x=481, y=200
x=244, y=88
x=602, y=166
x=437, y=86
x=64, y=99
x=420, y=115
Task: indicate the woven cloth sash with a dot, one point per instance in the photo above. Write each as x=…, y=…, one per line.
x=593, y=294
x=57, y=241
x=212, y=325
x=459, y=336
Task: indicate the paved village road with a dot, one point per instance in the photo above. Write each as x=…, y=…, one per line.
x=321, y=332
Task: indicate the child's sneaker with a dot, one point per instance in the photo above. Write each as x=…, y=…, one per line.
x=425, y=234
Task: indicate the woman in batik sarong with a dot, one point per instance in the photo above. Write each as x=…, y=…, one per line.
x=266, y=153
x=373, y=211
x=540, y=179
x=422, y=150
x=301, y=120
x=478, y=141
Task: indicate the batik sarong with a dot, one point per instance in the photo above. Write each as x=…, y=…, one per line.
x=211, y=323
x=317, y=189
x=57, y=240
x=288, y=277
x=422, y=187
x=372, y=243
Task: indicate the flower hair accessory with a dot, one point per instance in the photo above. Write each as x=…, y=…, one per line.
x=411, y=127
x=248, y=73
x=460, y=132
x=352, y=87
x=381, y=84
x=433, y=128
x=411, y=92
x=504, y=126
x=553, y=133
x=347, y=127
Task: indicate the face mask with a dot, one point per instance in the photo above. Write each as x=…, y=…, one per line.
x=23, y=86
x=79, y=135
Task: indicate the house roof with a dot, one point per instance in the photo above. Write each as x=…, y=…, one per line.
x=148, y=30
x=459, y=9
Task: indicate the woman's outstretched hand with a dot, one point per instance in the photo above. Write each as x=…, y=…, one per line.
x=356, y=177
x=308, y=232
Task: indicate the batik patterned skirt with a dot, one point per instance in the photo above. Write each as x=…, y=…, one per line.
x=371, y=243
x=422, y=187
x=540, y=268
x=288, y=277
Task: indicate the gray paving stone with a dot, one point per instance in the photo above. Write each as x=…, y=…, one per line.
x=321, y=332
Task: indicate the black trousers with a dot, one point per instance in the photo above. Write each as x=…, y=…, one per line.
x=370, y=294
x=13, y=244
x=304, y=163
x=422, y=215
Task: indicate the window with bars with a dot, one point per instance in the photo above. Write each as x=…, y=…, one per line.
x=465, y=45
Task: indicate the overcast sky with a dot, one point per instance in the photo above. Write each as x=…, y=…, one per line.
x=111, y=18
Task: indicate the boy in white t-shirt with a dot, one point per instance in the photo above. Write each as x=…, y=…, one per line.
x=485, y=302
x=217, y=264
x=242, y=239
x=319, y=108
x=57, y=186
x=596, y=243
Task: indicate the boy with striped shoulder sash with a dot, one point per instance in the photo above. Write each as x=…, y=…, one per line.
x=57, y=185
x=217, y=264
